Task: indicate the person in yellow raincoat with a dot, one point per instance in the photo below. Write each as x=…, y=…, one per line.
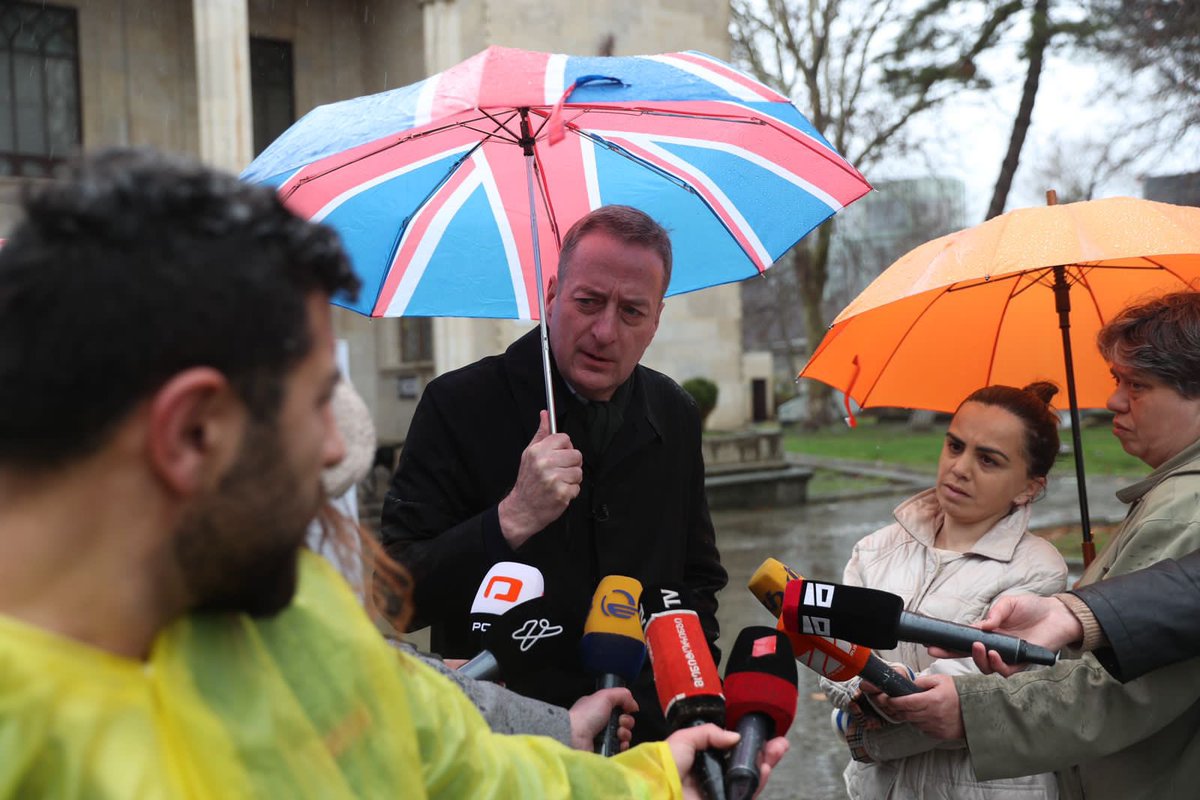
x=166, y=364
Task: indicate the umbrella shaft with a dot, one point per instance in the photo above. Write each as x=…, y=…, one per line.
x=541, y=293
x=1062, y=303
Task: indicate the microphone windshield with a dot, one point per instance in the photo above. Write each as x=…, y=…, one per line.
x=685, y=675
x=768, y=581
x=531, y=636
x=866, y=616
x=612, y=642
x=507, y=584
x=835, y=659
x=761, y=677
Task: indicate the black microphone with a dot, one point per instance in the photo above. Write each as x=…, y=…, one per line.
x=874, y=618
x=685, y=676
x=506, y=585
x=529, y=636
x=836, y=659
x=760, y=701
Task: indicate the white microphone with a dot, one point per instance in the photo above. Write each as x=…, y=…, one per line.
x=506, y=585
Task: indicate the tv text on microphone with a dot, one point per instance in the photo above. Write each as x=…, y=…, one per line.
x=685, y=675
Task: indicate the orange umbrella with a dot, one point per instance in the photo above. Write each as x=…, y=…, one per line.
x=979, y=306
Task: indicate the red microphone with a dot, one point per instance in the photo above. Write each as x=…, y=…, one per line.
x=760, y=701
x=685, y=675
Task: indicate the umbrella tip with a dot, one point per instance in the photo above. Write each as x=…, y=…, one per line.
x=1051, y=197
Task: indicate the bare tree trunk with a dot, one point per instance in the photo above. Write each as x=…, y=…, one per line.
x=811, y=263
x=1039, y=38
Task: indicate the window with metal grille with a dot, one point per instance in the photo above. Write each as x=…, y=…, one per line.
x=272, y=92
x=39, y=88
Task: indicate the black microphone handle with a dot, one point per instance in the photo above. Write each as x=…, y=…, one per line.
x=953, y=636
x=610, y=745
x=741, y=775
x=890, y=682
x=707, y=769
x=483, y=667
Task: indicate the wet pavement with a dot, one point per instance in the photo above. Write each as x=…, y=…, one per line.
x=817, y=539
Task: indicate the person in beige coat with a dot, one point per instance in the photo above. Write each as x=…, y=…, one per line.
x=1107, y=740
x=952, y=550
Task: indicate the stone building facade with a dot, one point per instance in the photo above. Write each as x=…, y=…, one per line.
x=219, y=78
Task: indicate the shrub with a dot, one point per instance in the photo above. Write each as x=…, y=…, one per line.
x=704, y=392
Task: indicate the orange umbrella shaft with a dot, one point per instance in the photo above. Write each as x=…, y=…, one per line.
x=1062, y=304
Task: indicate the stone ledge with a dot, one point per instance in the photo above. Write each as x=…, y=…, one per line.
x=770, y=488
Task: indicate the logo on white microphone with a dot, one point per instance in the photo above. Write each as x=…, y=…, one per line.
x=533, y=631
x=816, y=595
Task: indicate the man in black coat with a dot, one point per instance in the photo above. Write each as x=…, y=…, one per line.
x=618, y=490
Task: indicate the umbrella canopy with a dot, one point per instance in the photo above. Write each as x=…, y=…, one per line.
x=1016, y=299
x=428, y=184
x=977, y=307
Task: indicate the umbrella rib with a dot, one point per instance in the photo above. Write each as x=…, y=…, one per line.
x=1168, y=270
x=1012, y=292
x=1083, y=280
x=900, y=342
x=403, y=227
x=391, y=144
x=501, y=125
x=682, y=184
x=819, y=149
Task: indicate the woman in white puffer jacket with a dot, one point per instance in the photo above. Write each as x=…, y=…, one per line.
x=951, y=552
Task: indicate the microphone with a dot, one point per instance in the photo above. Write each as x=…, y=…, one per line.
x=529, y=636
x=613, y=648
x=836, y=659
x=506, y=584
x=760, y=701
x=878, y=619
x=685, y=676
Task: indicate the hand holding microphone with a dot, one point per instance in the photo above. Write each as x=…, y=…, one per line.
x=613, y=648
x=877, y=619
x=1044, y=620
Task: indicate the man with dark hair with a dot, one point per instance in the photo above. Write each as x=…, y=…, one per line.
x=166, y=367
x=1105, y=738
x=618, y=490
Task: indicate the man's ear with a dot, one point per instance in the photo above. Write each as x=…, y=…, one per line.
x=551, y=293
x=196, y=423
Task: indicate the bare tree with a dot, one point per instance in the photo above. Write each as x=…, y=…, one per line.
x=1158, y=38
x=848, y=66
x=1035, y=55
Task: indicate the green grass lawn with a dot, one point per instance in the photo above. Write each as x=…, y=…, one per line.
x=826, y=483
x=894, y=443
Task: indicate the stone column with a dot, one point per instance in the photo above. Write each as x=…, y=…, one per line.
x=223, y=83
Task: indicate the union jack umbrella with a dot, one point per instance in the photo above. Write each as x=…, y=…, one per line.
x=451, y=193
